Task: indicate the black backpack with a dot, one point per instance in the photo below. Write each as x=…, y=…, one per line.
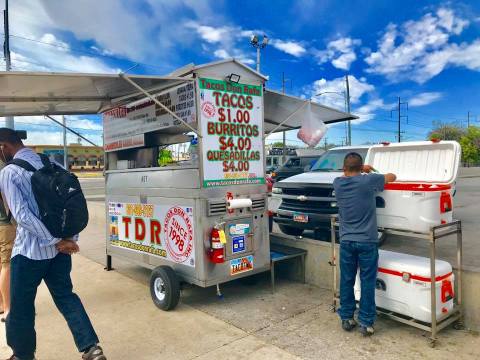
x=63, y=207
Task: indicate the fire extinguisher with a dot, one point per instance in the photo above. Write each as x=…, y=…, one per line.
x=217, y=246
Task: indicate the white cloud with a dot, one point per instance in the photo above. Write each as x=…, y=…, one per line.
x=218, y=39
x=290, y=47
x=419, y=50
x=41, y=130
x=210, y=34
x=39, y=137
x=367, y=112
x=239, y=55
x=425, y=98
x=147, y=32
x=336, y=87
x=341, y=53
x=31, y=56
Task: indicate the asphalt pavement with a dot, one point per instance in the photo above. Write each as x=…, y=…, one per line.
x=93, y=188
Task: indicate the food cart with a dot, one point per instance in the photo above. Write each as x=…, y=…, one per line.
x=202, y=221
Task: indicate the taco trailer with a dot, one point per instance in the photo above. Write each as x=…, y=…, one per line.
x=202, y=221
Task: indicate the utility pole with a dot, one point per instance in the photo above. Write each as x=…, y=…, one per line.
x=347, y=101
x=399, y=122
x=399, y=117
x=326, y=143
x=468, y=119
x=9, y=121
x=65, y=149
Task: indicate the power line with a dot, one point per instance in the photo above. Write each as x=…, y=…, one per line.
x=82, y=51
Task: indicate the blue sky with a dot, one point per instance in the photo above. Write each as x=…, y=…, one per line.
x=426, y=52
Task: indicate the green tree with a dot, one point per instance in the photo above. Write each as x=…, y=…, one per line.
x=444, y=131
x=470, y=143
x=278, y=144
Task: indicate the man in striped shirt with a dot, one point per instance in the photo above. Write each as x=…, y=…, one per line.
x=38, y=256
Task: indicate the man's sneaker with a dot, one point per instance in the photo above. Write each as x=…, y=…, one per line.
x=95, y=353
x=348, y=325
x=367, y=330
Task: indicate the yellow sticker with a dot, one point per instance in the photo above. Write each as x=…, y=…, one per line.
x=223, y=238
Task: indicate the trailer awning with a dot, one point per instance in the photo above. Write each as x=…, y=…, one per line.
x=279, y=107
x=31, y=93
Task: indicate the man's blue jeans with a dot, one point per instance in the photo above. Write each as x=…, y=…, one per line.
x=26, y=276
x=364, y=256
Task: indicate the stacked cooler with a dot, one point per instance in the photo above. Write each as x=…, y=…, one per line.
x=422, y=195
x=403, y=286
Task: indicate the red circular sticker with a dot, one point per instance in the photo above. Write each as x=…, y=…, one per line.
x=179, y=234
x=208, y=109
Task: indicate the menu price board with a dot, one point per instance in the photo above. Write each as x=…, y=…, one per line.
x=125, y=126
x=232, y=130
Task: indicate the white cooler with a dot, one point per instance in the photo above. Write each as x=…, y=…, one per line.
x=403, y=286
x=421, y=197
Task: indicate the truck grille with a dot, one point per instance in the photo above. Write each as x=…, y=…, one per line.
x=309, y=205
x=316, y=191
x=316, y=207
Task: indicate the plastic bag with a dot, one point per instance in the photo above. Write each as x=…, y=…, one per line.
x=313, y=129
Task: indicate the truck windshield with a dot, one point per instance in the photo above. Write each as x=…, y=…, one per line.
x=332, y=160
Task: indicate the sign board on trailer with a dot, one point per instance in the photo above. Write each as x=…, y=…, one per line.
x=232, y=130
x=124, y=127
x=159, y=230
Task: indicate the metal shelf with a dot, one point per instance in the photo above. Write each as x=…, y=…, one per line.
x=435, y=233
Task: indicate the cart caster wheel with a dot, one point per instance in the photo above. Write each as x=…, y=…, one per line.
x=459, y=325
x=432, y=343
x=164, y=288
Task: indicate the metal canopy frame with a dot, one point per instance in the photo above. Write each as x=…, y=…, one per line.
x=35, y=93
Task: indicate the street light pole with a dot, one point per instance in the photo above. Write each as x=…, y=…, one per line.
x=9, y=121
x=255, y=41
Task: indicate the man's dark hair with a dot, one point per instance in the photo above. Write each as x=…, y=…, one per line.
x=353, y=162
x=10, y=136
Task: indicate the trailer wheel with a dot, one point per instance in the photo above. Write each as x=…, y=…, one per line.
x=289, y=230
x=164, y=288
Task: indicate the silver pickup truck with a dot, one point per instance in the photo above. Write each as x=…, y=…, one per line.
x=307, y=201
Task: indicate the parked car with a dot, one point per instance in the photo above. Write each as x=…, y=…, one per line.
x=294, y=166
x=307, y=201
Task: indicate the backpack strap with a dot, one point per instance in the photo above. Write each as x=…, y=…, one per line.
x=23, y=164
x=45, y=160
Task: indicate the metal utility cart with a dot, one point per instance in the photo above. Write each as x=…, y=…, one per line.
x=200, y=219
x=436, y=233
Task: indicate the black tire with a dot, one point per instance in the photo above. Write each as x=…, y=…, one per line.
x=381, y=239
x=170, y=288
x=290, y=230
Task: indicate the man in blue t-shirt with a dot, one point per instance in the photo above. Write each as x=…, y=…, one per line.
x=355, y=193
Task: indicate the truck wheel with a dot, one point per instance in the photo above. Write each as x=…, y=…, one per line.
x=290, y=230
x=164, y=288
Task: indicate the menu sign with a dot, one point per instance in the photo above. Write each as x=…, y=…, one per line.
x=232, y=130
x=125, y=126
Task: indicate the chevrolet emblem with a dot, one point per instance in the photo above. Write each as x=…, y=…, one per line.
x=302, y=198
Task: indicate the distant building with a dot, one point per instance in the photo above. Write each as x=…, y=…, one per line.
x=79, y=157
